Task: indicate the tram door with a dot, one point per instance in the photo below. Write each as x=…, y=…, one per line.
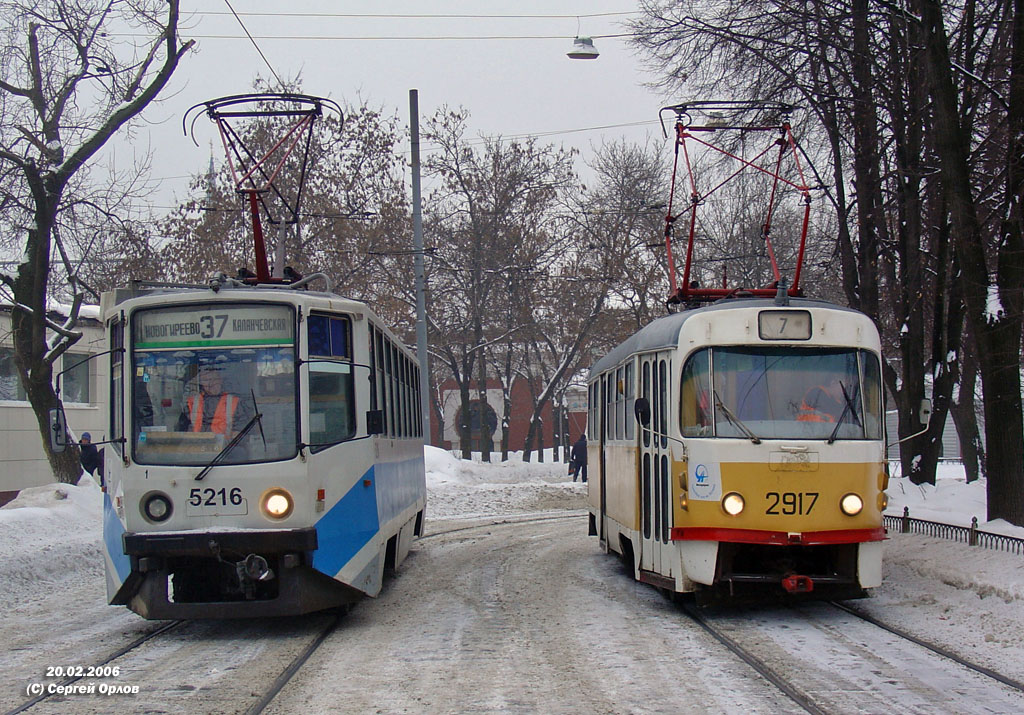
x=653, y=471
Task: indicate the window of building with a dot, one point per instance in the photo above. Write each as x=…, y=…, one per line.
x=75, y=381
x=10, y=383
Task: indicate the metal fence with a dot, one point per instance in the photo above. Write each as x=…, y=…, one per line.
x=970, y=535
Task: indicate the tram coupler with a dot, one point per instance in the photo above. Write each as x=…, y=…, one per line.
x=795, y=583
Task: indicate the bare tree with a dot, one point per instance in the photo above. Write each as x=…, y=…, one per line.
x=989, y=243
x=857, y=67
x=69, y=82
x=489, y=220
x=604, y=267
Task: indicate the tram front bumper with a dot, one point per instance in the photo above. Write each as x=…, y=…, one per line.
x=212, y=575
x=206, y=543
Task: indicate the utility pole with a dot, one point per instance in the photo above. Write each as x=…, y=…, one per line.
x=417, y=242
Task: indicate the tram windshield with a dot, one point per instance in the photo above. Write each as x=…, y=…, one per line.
x=782, y=393
x=201, y=375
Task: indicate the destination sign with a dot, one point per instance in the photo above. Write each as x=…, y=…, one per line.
x=218, y=325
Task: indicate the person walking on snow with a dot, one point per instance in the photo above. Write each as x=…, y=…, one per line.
x=578, y=458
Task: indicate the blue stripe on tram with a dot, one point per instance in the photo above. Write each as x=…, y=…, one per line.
x=112, y=531
x=347, y=527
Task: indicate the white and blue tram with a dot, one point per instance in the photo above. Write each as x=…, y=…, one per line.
x=755, y=465
x=266, y=454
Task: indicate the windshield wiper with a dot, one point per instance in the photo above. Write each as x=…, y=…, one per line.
x=734, y=420
x=849, y=408
x=257, y=419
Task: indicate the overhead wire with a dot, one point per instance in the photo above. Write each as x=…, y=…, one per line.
x=476, y=142
x=378, y=38
x=254, y=44
x=422, y=16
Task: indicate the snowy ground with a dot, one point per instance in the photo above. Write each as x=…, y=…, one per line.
x=967, y=598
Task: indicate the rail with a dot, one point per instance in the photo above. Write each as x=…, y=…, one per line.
x=970, y=535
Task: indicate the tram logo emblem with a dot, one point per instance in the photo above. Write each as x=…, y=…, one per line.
x=706, y=482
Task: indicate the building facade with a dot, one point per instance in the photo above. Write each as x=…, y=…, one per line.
x=83, y=383
x=486, y=417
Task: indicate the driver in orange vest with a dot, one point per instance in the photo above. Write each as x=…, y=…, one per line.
x=822, y=403
x=211, y=409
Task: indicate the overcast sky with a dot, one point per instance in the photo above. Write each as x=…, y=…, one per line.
x=516, y=81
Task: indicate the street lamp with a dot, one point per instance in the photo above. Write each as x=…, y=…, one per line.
x=583, y=49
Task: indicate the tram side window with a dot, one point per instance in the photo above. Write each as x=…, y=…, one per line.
x=645, y=391
x=630, y=399
x=331, y=393
x=395, y=389
x=406, y=402
x=663, y=401
x=417, y=427
x=695, y=396
x=374, y=400
x=407, y=397
x=620, y=404
x=394, y=371
x=592, y=410
x=396, y=407
x=117, y=386
x=403, y=407
x=872, y=381
x=609, y=405
x=381, y=377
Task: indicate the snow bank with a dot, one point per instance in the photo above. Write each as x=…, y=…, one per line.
x=469, y=489
x=48, y=535
x=951, y=500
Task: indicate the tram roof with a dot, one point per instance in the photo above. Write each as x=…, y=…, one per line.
x=195, y=292
x=664, y=332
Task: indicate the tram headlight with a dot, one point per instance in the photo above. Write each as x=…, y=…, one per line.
x=733, y=503
x=156, y=507
x=277, y=503
x=851, y=504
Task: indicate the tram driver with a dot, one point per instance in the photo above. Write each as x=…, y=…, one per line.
x=212, y=408
x=823, y=403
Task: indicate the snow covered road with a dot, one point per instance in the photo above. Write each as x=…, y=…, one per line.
x=508, y=606
x=522, y=617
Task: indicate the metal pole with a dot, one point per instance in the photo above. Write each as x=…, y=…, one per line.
x=417, y=241
x=282, y=233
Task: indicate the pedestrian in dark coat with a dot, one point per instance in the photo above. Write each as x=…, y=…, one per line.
x=90, y=455
x=578, y=458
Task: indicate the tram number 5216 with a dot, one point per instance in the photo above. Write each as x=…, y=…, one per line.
x=790, y=502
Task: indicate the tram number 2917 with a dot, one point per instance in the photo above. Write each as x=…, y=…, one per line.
x=790, y=502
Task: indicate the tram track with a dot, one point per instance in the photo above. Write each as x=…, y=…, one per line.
x=68, y=680
x=756, y=638
x=937, y=649
x=293, y=668
x=141, y=675
x=296, y=664
x=156, y=666
x=758, y=664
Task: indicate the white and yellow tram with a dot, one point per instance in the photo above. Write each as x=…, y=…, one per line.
x=266, y=451
x=736, y=451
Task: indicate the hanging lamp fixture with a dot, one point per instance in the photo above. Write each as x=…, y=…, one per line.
x=583, y=49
